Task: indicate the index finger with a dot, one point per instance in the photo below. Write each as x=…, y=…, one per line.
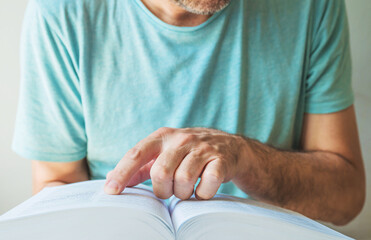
x=146, y=150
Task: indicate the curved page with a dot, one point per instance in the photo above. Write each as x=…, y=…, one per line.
x=90, y=194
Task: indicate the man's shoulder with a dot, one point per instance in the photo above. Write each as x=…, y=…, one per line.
x=69, y=8
x=52, y=6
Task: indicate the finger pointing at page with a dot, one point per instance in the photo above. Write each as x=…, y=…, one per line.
x=134, y=159
x=175, y=158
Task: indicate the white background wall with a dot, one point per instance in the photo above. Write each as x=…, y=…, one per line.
x=15, y=173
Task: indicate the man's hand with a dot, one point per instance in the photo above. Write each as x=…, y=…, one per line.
x=174, y=159
x=325, y=181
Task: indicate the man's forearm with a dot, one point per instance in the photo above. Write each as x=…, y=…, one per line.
x=321, y=185
x=48, y=174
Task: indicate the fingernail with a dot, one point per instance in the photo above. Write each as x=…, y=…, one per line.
x=111, y=187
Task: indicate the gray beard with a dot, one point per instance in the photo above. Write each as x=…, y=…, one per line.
x=202, y=7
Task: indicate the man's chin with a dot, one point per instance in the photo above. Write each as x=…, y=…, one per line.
x=203, y=7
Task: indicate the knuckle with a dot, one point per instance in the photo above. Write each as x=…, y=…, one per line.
x=213, y=176
x=134, y=153
x=219, y=158
x=184, y=138
x=118, y=174
x=206, y=147
x=220, y=148
x=203, y=148
x=163, y=130
x=160, y=174
x=183, y=178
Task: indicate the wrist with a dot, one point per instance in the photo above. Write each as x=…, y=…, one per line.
x=250, y=174
x=244, y=159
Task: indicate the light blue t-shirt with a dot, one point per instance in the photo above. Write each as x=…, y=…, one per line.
x=100, y=75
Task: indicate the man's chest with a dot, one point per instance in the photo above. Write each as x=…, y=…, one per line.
x=248, y=80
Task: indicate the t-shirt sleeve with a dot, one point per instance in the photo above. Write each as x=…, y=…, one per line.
x=328, y=84
x=50, y=121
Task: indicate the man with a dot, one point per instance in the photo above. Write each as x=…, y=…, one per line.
x=253, y=97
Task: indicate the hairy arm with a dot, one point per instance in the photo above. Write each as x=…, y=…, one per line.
x=55, y=173
x=325, y=181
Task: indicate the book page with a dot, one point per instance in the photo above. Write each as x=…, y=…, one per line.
x=91, y=194
x=182, y=211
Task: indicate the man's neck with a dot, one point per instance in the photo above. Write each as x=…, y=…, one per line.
x=171, y=13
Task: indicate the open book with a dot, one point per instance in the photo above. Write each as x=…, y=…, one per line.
x=83, y=211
